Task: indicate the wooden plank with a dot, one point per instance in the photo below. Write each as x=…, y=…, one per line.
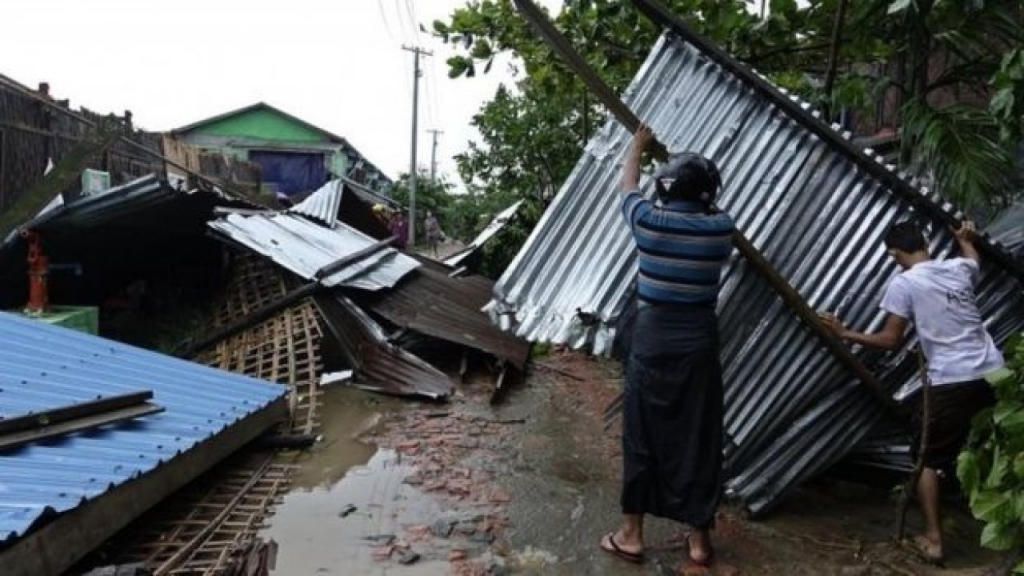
x=17, y=439
x=73, y=411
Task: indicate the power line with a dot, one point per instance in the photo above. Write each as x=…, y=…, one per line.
x=430, y=92
x=384, y=17
x=435, y=85
x=412, y=19
x=401, y=20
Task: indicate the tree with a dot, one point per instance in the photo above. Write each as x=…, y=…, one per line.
x=960, y=142
x=533, y=132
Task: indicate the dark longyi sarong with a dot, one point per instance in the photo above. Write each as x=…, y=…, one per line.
x=951, y=409
x=672, y=416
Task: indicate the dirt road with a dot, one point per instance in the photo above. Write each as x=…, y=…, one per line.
x=529, y=486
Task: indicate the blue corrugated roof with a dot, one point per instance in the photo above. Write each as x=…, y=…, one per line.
x=44, y=367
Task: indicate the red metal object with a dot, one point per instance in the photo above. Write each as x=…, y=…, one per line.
x=38, y=271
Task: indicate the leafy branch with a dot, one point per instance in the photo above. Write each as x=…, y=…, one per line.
x=991, y=469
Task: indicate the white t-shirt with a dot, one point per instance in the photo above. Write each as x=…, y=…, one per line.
x=938, y=297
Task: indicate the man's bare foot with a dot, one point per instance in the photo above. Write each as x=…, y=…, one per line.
x=699, y=548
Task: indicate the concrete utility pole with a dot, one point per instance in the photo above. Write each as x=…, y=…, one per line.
x=416, y=52
x=433, y=156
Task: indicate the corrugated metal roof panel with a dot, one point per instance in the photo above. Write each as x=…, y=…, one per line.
x=323, y=204
x=44, y=366
x=305, y=247
x=808, y=206
x=89, y=210
x=432, y=303
x=369, y=195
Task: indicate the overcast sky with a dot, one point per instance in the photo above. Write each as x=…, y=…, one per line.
x=337, y=64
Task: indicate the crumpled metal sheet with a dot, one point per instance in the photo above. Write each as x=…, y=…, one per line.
x=379, y=365
x=791, y=408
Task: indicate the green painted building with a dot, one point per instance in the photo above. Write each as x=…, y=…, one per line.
x=295, y=156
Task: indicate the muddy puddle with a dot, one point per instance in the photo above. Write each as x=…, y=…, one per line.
x=342, y=528
x=348, y=510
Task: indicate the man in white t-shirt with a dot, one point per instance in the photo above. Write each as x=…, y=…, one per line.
x=938, y=297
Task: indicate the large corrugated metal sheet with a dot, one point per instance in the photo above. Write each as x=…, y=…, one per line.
x=305, y=247
x=44, y=366
x=791, y=408
x=432, y=303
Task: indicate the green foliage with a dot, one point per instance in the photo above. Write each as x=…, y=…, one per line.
x=963, y=148
x=960, y=143
x=1007, y=103
x=539, y=350
x=991, y=467
x=533, y=132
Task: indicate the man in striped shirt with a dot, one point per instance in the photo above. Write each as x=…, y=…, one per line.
x=672, y=414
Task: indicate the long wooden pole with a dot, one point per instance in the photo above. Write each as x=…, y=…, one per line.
x=754, y=257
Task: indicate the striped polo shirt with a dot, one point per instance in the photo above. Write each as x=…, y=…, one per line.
x=681, y=250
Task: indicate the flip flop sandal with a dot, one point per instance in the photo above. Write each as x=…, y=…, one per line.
x=615, y=550
x=920, y=546
x=707, y=561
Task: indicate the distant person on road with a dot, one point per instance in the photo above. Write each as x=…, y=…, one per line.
x=433, y=231
x=673, y=401
x=399, y=229
x=938, y=297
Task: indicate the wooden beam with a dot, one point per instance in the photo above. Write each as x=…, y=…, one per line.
x=73, y=411
x=286, y=301
x=17, y=439
x=350, y=259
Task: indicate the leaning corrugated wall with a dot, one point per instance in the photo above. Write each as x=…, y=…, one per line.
x=792, y=409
